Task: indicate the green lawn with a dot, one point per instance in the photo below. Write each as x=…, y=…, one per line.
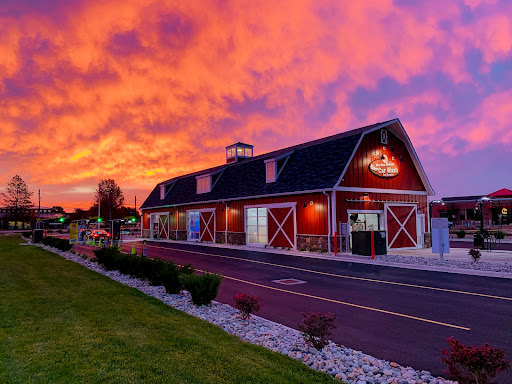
x=61, y=323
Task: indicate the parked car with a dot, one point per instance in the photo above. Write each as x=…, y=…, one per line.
x=95, y=234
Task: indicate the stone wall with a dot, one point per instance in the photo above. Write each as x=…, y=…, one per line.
x=146, y=233
x=315, y=243
x=428, y=240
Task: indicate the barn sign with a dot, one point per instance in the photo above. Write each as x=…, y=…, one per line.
x=384, y=167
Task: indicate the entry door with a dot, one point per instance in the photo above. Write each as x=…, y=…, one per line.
x=420, y=225
x=163, y=226
x=401, y=226
x=207, y=226
x=281, y=227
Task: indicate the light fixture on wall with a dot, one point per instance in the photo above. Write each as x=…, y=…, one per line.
x=366, y=197
x=304, y=205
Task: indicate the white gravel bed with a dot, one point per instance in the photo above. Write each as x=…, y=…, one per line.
x=344, y=364
x=431, y=262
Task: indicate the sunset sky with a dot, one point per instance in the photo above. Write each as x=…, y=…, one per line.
x=141, y=91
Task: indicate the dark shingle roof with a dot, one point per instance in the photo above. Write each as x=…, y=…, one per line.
x=311, y=166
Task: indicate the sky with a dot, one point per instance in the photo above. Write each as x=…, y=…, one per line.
x=142, y=91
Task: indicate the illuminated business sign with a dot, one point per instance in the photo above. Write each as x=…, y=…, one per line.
x=384, y=167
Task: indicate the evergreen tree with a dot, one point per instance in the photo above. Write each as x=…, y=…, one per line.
x=17, y=197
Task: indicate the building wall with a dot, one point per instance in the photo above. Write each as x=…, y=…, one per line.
x=311, y=220
x=358, y=173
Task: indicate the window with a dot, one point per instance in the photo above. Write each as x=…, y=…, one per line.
x=257, y=230
x=248, y=152
x=384, y=136
x=193, y=225
x=203, y=184
x=230, y=152
x=240, y=151
x=271, y=171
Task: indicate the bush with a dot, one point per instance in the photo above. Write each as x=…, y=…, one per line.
x=26, y=234
x=171, y=277
x=247, y=304
x=500, y=235
x=316, y=327
x=110, y=258
x=203, y=288
x=55, y=242
x=468, y=364
x=461, y=234
x=475, y=254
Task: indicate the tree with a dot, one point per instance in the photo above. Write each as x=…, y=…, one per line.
x=17, y=197
x=59, y=209
x=109, y=195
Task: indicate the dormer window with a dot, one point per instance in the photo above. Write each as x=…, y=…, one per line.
x=274, y=167
x=238, y=151
x=203, y=184
x=164, y=189
x=270, y=170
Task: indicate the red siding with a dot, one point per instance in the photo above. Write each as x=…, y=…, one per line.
x=311, y=220
x=359, y=175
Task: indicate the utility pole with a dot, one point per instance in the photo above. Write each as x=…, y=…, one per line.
x=99, y=204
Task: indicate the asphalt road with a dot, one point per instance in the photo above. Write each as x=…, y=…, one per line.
x=401, y=315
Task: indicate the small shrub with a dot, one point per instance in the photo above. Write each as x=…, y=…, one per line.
x=475, y=254
x=170, y=277
x=500, y=235
x=247, y=304
x=203, y=288
x=461, y=234
x=468, y=364
x=60, y=244
x=316, y=327
x=26, y=234
x=110, y=258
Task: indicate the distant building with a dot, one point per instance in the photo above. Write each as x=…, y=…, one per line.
x=29, y=218
x=465, y=210
x=297, y=197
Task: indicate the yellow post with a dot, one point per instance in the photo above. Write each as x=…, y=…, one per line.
x=99, y=242
x=119, y=246
x=134, y=252
x=112, y=242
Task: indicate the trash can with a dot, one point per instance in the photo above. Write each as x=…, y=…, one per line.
x=362, y=242
x=37, y=235
x=478, y=241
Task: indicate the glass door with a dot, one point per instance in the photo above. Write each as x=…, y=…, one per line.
x=257, y=229
x=192, y=225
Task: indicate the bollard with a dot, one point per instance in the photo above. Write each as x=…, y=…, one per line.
x=119, y=246
x=134, y=252
x=372, y=239
x=144, y=249
x=99, y=243
x=112, y=242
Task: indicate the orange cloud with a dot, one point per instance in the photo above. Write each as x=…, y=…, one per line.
x=143, y=91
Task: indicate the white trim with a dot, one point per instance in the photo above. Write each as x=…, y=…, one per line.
x=151, y=222
x=349, y=211
x=280, y=226
x=275, y=205
x=206, y=224
x=354, y=152
x=201, y=210
x=379, y=190
x=239, y=198
x=402, y=135
x=402, y=225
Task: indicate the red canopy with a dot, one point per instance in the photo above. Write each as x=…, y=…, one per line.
x=501, y=193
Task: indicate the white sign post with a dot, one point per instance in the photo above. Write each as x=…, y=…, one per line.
x=440, y=237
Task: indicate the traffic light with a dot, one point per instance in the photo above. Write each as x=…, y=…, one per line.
x=133, y=219
x=62, y=219
x=99, y=219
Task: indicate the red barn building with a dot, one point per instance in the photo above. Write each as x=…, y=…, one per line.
x=296, y=197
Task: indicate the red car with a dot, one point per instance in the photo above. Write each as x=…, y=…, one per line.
x=95, y=234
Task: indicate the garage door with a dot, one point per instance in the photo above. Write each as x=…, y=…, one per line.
x=207, y=226
x=163, y=226
x=281, y=227
x=401, y=226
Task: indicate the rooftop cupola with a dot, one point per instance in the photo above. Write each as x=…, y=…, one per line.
x=237, y=151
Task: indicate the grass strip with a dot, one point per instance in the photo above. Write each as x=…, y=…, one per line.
x=61, y=323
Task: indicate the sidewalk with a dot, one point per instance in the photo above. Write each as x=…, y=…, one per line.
x=408, y=259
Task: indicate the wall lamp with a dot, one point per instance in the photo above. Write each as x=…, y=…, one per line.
x=304, y=205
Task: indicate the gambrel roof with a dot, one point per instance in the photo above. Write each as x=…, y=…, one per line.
x=312, y=166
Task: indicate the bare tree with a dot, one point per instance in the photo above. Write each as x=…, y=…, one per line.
x=17, y=197
x=109, y=195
